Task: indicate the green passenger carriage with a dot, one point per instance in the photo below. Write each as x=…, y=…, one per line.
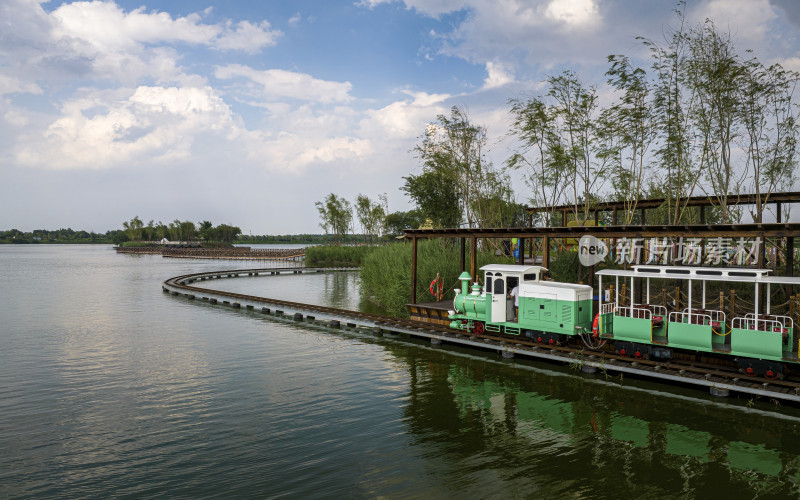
x=760, y=342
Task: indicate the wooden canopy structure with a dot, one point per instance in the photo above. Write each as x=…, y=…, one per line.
x=692, y=201
x=786, y=232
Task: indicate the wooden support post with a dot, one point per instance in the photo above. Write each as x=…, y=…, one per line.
x=702, y=214
x=546, y=252
x=614, y=217
x=413, y=269
x=638, y=260
x=789, y=256
x=463, y=250
x=473, y=258
x=678, y=298
x=664, y=298
x=563, y=218
x=644, y=216
x=733, y=304
x=521, y=252
x=778, y=210
x=762, y=250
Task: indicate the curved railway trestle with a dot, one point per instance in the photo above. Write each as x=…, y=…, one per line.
x=719, y=380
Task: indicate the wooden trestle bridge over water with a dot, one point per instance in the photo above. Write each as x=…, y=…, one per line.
x=236, y=253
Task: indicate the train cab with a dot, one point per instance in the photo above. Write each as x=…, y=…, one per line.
x=500, y=280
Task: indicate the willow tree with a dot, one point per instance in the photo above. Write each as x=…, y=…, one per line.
x=371, y=214
x=713, y=72
x=453, y=150
x=576, y=113
x=769, y=117
x=335, y=215
x=540, y=153
x=672, y=104
x=627, y=133
x=559, y=144
x=133, y=228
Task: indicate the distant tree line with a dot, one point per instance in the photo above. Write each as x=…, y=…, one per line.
x=57, y=236
x=177, y=231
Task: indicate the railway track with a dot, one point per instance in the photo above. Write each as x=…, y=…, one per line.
x=720, y=380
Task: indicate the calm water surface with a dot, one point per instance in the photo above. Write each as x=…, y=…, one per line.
x=109, y=387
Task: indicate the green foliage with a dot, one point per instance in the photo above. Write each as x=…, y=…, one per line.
x=335, y=216
x=456, y=172
x=564, y=266
x=337, y=255
x=397, y=222
x=435, y=196
x=56, y=236
x=386, y=272
x=372, y=214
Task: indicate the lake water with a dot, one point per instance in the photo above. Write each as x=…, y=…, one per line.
x=111, y=388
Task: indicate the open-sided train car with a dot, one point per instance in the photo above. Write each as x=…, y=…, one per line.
x=550, y=312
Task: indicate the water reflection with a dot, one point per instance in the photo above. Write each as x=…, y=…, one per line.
x=577, y=437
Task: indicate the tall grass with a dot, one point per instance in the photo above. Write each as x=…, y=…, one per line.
x=386, y=272
x=337, y=255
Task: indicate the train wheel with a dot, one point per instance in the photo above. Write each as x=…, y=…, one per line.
x=478, y=328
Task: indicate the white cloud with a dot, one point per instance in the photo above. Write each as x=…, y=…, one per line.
x=101, y=40
x=100, y=26
x=497, y=75
x=404, y=120
x=573, y=12
x=749, y=21
x=10, y=84
x=277, y=83
x=247, y=37
x=115, y=128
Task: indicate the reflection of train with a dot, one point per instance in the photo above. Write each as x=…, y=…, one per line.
x=644, y=430
x=553, y=313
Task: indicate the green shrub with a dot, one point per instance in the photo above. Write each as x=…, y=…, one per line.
x=386, y=272
x=337, y=255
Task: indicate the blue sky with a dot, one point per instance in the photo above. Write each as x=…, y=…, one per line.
x=247, y=113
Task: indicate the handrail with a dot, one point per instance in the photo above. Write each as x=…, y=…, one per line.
x=764, y=322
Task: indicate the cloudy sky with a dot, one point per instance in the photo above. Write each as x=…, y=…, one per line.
x=247, y=113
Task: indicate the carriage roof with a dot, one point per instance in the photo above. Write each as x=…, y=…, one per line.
x=512, y=268
x=742, y=275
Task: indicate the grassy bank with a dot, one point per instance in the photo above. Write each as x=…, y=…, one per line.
x=386, y=272
x=337, y=255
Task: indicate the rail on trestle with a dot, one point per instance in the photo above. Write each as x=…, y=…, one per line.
x=235, y=253
x=719, y=383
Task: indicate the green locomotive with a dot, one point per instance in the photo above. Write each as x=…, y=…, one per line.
x=548, y=312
